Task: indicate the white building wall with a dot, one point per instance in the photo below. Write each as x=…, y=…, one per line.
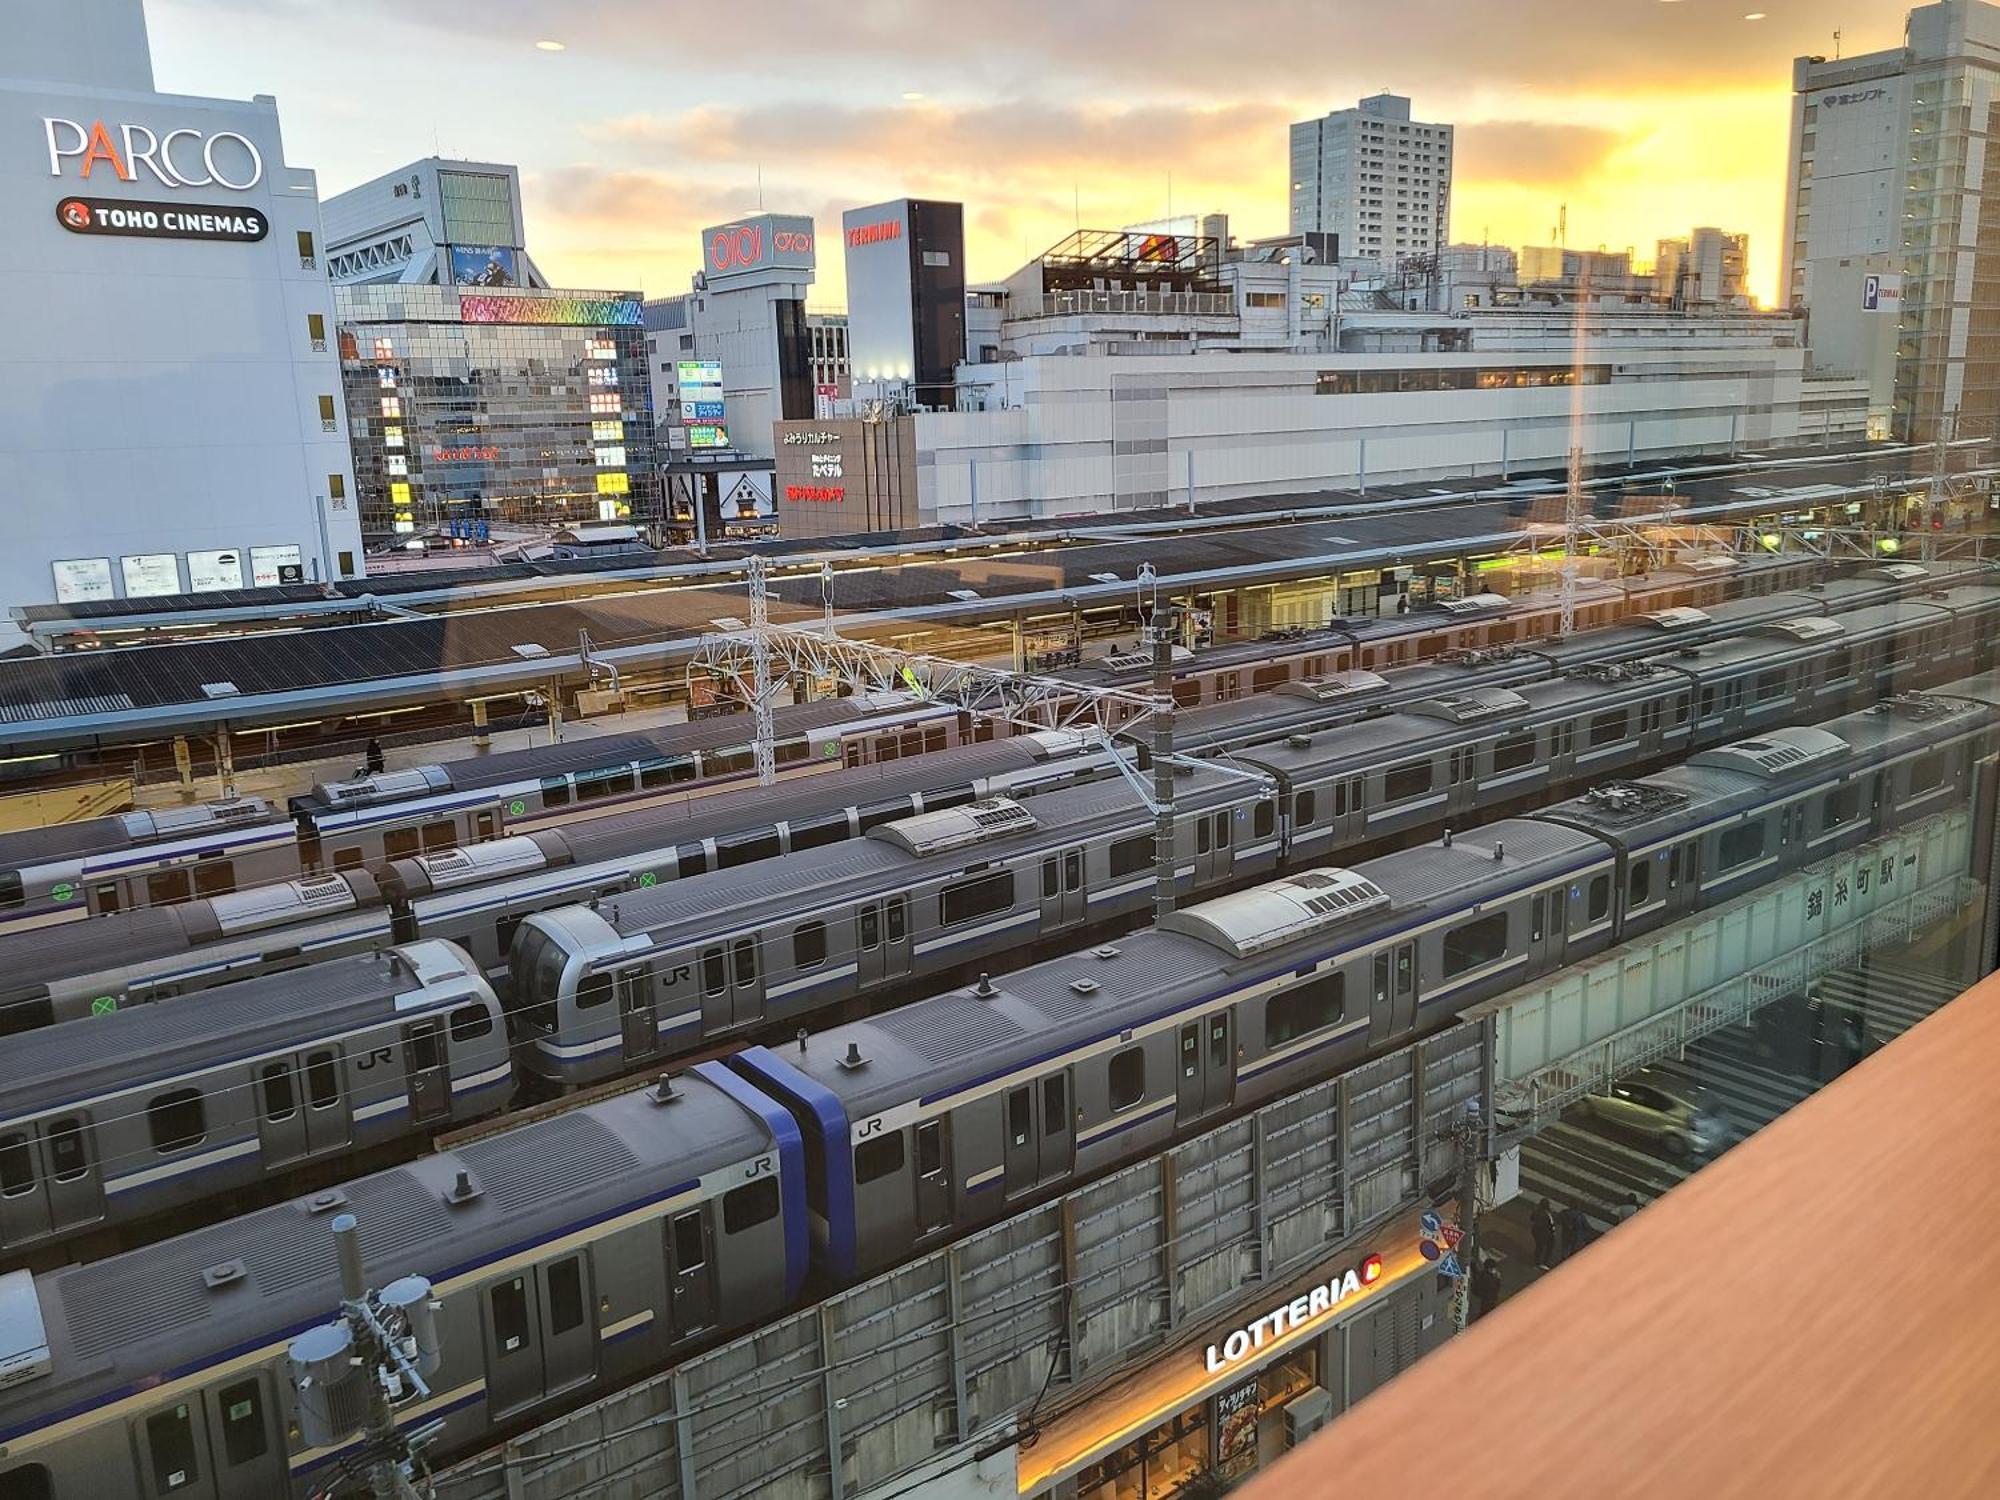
x=160, y=395
x=1252, y=423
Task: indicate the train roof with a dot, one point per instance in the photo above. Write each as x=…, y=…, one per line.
x=33, y=846
x=961, y=1038
x=101, y=1054
x=127, y=1318
x=726, y=900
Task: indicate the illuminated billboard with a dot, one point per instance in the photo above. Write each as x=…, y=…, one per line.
x=768, y=246
x=483, y=265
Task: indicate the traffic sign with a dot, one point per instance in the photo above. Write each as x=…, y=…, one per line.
x=1450, y=1266
x=1431, y=1224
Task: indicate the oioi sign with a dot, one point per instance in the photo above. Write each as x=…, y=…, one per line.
x=179, y=159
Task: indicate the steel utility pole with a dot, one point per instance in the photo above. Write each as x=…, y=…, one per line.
x=1573, y=509
x=1162, y=634
x=763, y=747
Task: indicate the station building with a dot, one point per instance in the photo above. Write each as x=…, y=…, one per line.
x=170, y=414
x=477, y=394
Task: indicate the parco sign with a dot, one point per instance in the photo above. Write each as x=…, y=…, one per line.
x=179, y=159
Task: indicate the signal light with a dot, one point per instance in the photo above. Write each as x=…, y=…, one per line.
x=1371, y=1270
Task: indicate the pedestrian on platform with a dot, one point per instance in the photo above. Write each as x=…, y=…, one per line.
x=375, y=761
x=1543, y=1222
x=1485, y=1287
x=1576, y=1230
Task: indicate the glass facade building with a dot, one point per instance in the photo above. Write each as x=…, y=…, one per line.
x=527, y=407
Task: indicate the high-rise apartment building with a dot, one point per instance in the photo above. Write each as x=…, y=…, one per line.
x=1890, y=157
x=1374, y=177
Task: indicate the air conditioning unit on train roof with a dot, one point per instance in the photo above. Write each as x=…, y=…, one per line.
x=1474, y=604
x=173, y=822
x=384, y=786
x=1469, y=705
x=1680, y=617
x=1333, y=686
x=1810, y=628
x=1251, y=921
x=1776, y=752
x=957, y=827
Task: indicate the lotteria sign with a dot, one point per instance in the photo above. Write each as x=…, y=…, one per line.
x=135, y=153
x=1309, y=1304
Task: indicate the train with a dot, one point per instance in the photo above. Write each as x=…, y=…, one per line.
x=139, y=860
x=597, y=993
x=478, y=896
x=573, y=1254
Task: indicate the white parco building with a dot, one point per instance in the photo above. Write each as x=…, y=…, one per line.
x=1376, y=178
x=170, y=400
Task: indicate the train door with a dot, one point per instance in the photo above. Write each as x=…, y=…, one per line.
x=746, y=979
x=1547, y=926
x=328, y=1110
x=690, y=1274
x=882, y=939
x=513, y=1362
x=173, y=1449
x=244, y=1451
x=569, y=1341
x=48, y=1180
x=1211, y=849
x=638, y=1015
x=1404, y=1011
x=933, y=1178
x=1041, y=1142
x=281, y=1119
x=1207, y=1067
x=1062, y=890
x=424, y=1070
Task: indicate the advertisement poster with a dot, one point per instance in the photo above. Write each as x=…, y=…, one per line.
x=274, y=565
x=210, y=572
x=151, y=574
x=80, y=579
x=1237, y=1412
x=483, y=265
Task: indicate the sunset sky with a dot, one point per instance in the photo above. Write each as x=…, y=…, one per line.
x=657, y=117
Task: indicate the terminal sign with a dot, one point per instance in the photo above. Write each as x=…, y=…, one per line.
x=1307, y=1305
x=160, y=221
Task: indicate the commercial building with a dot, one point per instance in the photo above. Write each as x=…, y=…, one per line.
x=169, y=395
x=747, y=313
x=1889, y=157
x=906, y=297
x=832, y=369
x=1376, y=178
x=474, y=408
x=1709, y=265
x=435, y=222
x=847, y=476
x=477, y=395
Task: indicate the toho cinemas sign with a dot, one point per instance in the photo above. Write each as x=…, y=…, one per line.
x=135, y=153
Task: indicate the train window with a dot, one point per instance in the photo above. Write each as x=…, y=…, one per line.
x=1127, y=1076
x=1740, y=845
x=1513, y=752
x=1020, y=1117
x=871, y=927
x=17, y=1166
x=1473, y=944
x=244, y=1436
x=555, y=791
x=69, y=1158
x=12, y=893
x=1600, y=898
x=1407, y=781
x=1707, y=701
x=1202, y=835
x=565, y=1284
x=935, y=738
x=1604, y=728
x=1131, y=855
x=790, y=752
x=878, y=1158
x=930, y=1148
x=164, y=886
x=441, y=834
x=510, y=1314
x=748, y=1206
x=504, y=929
x=689, y=1251
x=105, y=899
x=322, y=1079
x=654, y=774
x=1770, y=684
x=1264, y=820
x=1842, y=805
x=1839, y=664
x=280, y=1097
x=1340, y=799
x=983, y=730
x=170, y=1442
x=911, y=744
x=347, y=859
x=744, y=951
x=1680, y=708
x=470, y=1022
x=1051, y=879
x=401, y=843
x=1304, y=1008
x=746, y=849
x=818, y=835
x=29, y=1482
x=1055, y=1113
x=809, y=945
x=714, y=977
x=26, y=1014
x=592, y=991
x=1265, y=678
x=978, y=897
x=1302, y=809
x=1641, y=883
x=1925, y=773
x=1187, y=692
x=603, y=784
x=176, y=1120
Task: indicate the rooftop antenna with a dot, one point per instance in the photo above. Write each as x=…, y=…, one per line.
x=1076, y=204
x=1836, y=44
x=760, y=186
x=1562, y=225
